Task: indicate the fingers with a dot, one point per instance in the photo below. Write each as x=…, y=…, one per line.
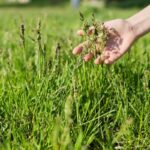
x=113, y=56
x=98, y=60
x=78, y=49
x=88, y=57
x=89, y=32
x=107, y=57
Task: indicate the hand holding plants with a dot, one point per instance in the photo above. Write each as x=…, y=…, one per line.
x=105, y=42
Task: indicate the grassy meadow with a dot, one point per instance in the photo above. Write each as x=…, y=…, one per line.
x=50, y=99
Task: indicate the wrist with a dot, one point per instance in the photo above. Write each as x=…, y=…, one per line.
x=140, y=22
x=137, y=32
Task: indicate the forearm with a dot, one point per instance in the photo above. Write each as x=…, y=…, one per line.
x=141, y=22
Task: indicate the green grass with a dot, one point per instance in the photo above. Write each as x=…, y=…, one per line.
x=50, y=99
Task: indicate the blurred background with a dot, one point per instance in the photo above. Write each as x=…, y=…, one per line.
x=76, y=3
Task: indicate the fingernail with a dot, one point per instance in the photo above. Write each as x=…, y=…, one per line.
x=77, y=50
x=106, y=61
x=98, y=61
x=87, y=57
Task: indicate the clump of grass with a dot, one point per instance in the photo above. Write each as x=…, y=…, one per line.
x=95, y=33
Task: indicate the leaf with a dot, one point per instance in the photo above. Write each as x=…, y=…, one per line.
x=81, y=16
x=93, y=17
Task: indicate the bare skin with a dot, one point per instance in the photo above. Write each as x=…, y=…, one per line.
x=124, y=34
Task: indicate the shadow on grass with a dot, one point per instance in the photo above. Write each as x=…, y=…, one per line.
x=36, y=3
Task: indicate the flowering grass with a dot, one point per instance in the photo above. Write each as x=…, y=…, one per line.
x=50, y=99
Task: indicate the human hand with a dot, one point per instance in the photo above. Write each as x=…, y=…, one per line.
x=121, y=37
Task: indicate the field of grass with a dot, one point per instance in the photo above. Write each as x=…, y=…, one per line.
x=50, y=99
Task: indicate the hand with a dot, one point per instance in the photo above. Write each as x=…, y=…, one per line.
x=121, y=37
